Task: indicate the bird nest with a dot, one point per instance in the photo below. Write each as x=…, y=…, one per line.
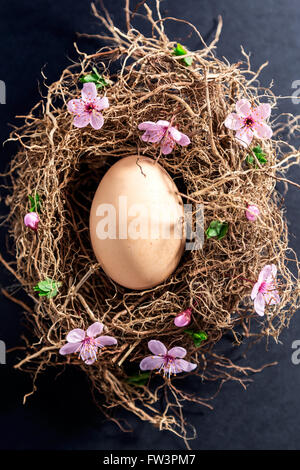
x=64, y=165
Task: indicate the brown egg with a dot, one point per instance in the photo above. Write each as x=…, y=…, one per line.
x=136, y=223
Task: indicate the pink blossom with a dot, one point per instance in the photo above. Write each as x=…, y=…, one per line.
x=183, y=318
x=170, y=362
x=32, y=220
x=264, y=291
x=86, y=344
x=249, y=122
x=164, y=133
x=87, y=108
x=252, y=212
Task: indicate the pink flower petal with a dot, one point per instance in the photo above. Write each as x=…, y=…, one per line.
x=177, y=351
x=101, y=103
x=89, y=92
x=255, y=290
x=76, y=106
x=261, y=112
x=167, y=145
x=184, y=366
x=82, y=120
x=163, y=123
x=151, y=363
x=184, y=140
x=259, y=304
x=95, y=329
x=153, y=136
x=262, y=130
x=270, y=273
x=244, y=136
x=96, y=120
x=75, y=336
x=243, y=107
x=157, y=348
x=69, y=348
x=175, y=134
x=233, y=121
x=149, y=126
x=102, y=341
x=265, y=273
x=274, y=270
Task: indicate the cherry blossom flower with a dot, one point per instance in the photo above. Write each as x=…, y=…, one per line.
x=249, y=122
x=183, y=318
x=264, y=292
x=32, y=220
x=252, y=212
x=164, y=133
x=87, y=108
x=86, y=344
x=170, y=362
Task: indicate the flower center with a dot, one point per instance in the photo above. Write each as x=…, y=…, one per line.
x=168, y=360
x=249, y=122
x=263, y=288
x=88, y=341
x=89, y=107
x=89, y=349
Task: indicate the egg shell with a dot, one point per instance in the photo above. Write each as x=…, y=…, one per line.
x=145, y=223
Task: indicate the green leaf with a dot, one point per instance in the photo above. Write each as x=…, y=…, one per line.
x=201, y=335
x=180, y=50
x=96, y=78
x=139, y=380
x=260, y=155
x=47, y=288
x=211, y=232
x=197, y=336
x=223, y=231
x=217, y=229
x=35, y=203
x=91, y=77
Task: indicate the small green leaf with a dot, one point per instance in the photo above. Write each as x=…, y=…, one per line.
x=260, y=155
x=96, y=78
x=35, y=203
x=211, y=232
x=197, y=336
x=180, y=50
x=47, y=288
x=200, y=335
x=223, y=231
x=217, y=229
x=139, y=380
x=91, y=77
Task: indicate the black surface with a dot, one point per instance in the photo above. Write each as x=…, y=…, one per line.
x=61, y=415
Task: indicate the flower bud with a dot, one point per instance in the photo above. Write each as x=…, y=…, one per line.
x=31, y=220
x=183, y=318
x=252, y=212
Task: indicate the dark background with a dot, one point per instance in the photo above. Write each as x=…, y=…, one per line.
x=61, y=414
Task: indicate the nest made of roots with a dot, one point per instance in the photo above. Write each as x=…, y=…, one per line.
x=64, y=165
